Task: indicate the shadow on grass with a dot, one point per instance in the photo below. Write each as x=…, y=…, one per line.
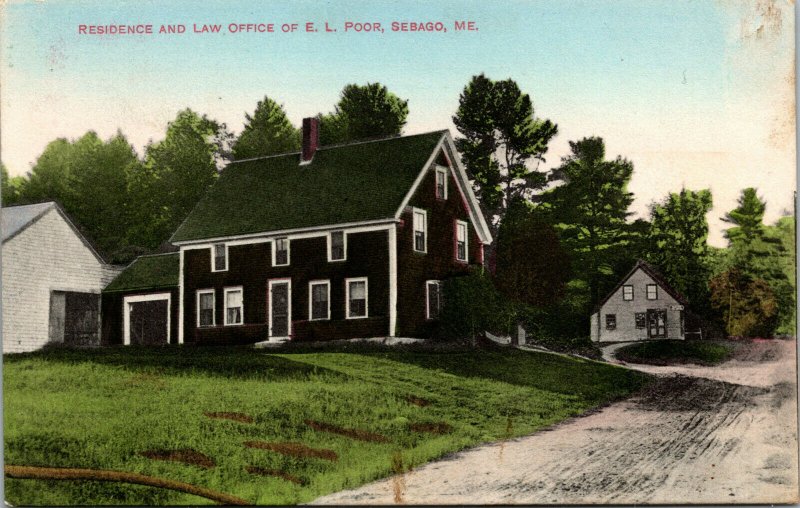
x=231, y=362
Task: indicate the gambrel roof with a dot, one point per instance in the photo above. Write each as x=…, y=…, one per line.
x=361, y=182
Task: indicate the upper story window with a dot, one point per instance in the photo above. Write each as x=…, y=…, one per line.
x=337, y=246
x=280, y=256
x=461, y=240
x=319, y=301
x=219, y=259
x=652, y=292
x=433, y=299
x=627, y=293
x=205, y=307
x=441, y=182
x=234, y=306
x=356, y=298
x=420, y=230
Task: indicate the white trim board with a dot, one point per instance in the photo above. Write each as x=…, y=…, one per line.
x=126, y=316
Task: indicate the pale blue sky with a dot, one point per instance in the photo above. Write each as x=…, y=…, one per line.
x=679, y=87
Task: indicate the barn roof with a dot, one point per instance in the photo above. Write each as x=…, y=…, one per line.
x=16, y=218
x=657, y=278
x=155, y=271
x=351, y=183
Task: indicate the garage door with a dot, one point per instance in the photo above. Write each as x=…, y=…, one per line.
x=147, y=320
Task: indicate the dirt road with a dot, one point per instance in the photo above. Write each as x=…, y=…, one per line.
x=699, y=435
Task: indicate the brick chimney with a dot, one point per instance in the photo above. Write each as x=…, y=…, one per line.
x=310, y=139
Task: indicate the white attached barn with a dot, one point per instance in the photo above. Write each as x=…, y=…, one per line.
x=642, y=307
x=51, y=280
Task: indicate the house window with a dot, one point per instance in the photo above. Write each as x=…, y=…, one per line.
x=461, y=241
x=611, y=321
x=433, y=299
x=420, y=230
x=356, y=298
x=441, y=183
x=319, y=302
x=627, y=293
x=219, y=260
x=652, y=292
x=234, y=306
x=281, y=252
x=205, y=307
x=641, y=320
x=337, y=246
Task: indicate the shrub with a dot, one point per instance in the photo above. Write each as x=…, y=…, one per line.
x=472, y=306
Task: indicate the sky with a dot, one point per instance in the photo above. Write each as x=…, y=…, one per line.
x=696, y=93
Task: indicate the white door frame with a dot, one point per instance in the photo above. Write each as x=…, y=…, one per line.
x=271, y=283
x=126, y=313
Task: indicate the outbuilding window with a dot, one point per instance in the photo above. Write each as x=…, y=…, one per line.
x=652, y=292
x=219, y=259
x=356, y=298
x=205, y=307
x=611, y=321
x=234, y=306
x=420, y=230
x=627, y=293
x=281, y=255
x=641, y=320
x=319, y=306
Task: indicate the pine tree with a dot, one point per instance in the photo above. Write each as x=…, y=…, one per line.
x=267, y=132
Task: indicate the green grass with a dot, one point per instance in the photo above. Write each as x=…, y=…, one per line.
x=668, y=352
x=99, y=408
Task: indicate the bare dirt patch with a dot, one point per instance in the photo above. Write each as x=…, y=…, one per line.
x=757, y=350
x=417, y=401
x=225, y=415
x=294, y=450
x=185, y=455
x=358, y=434
x=260, y=471
x=432, y=428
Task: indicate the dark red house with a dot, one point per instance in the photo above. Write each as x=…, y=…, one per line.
x=332, y=242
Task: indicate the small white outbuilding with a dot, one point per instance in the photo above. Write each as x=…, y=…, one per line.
x=641, y=307
x=51, y=280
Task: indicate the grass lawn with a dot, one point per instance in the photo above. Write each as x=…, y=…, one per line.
x=669, y=352
x=365, y=412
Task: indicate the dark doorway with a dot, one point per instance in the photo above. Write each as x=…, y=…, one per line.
x=657, y=323
x=279, y=309
x=149, y=324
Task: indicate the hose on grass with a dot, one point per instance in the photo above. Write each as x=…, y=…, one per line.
x=102, y=475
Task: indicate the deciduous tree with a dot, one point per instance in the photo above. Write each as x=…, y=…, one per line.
x=364, y=111
x=267, y=132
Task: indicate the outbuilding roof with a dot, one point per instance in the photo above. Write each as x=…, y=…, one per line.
x=17, y=218
x=155, y=271
x=342, y=184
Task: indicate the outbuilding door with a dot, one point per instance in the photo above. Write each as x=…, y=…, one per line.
x=75, y=318
x=656, y=323
x=147, y=319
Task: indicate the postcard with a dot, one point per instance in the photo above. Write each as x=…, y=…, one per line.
x=453, y=252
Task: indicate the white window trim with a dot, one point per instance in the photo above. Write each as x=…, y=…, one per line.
x=225, y=301
x=427, y=297
x=633, y=293
x=647, y=292
x=441, y=170
x=311, y=284
x=126, y=318
x=213, y=294
x=414, y=212
x=466, y=241
x=347, y=282
x=288, y=251
x=330, y=246
x=213, y=258
x=271, y=283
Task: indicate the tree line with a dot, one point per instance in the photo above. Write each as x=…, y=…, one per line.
x=564, y=236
